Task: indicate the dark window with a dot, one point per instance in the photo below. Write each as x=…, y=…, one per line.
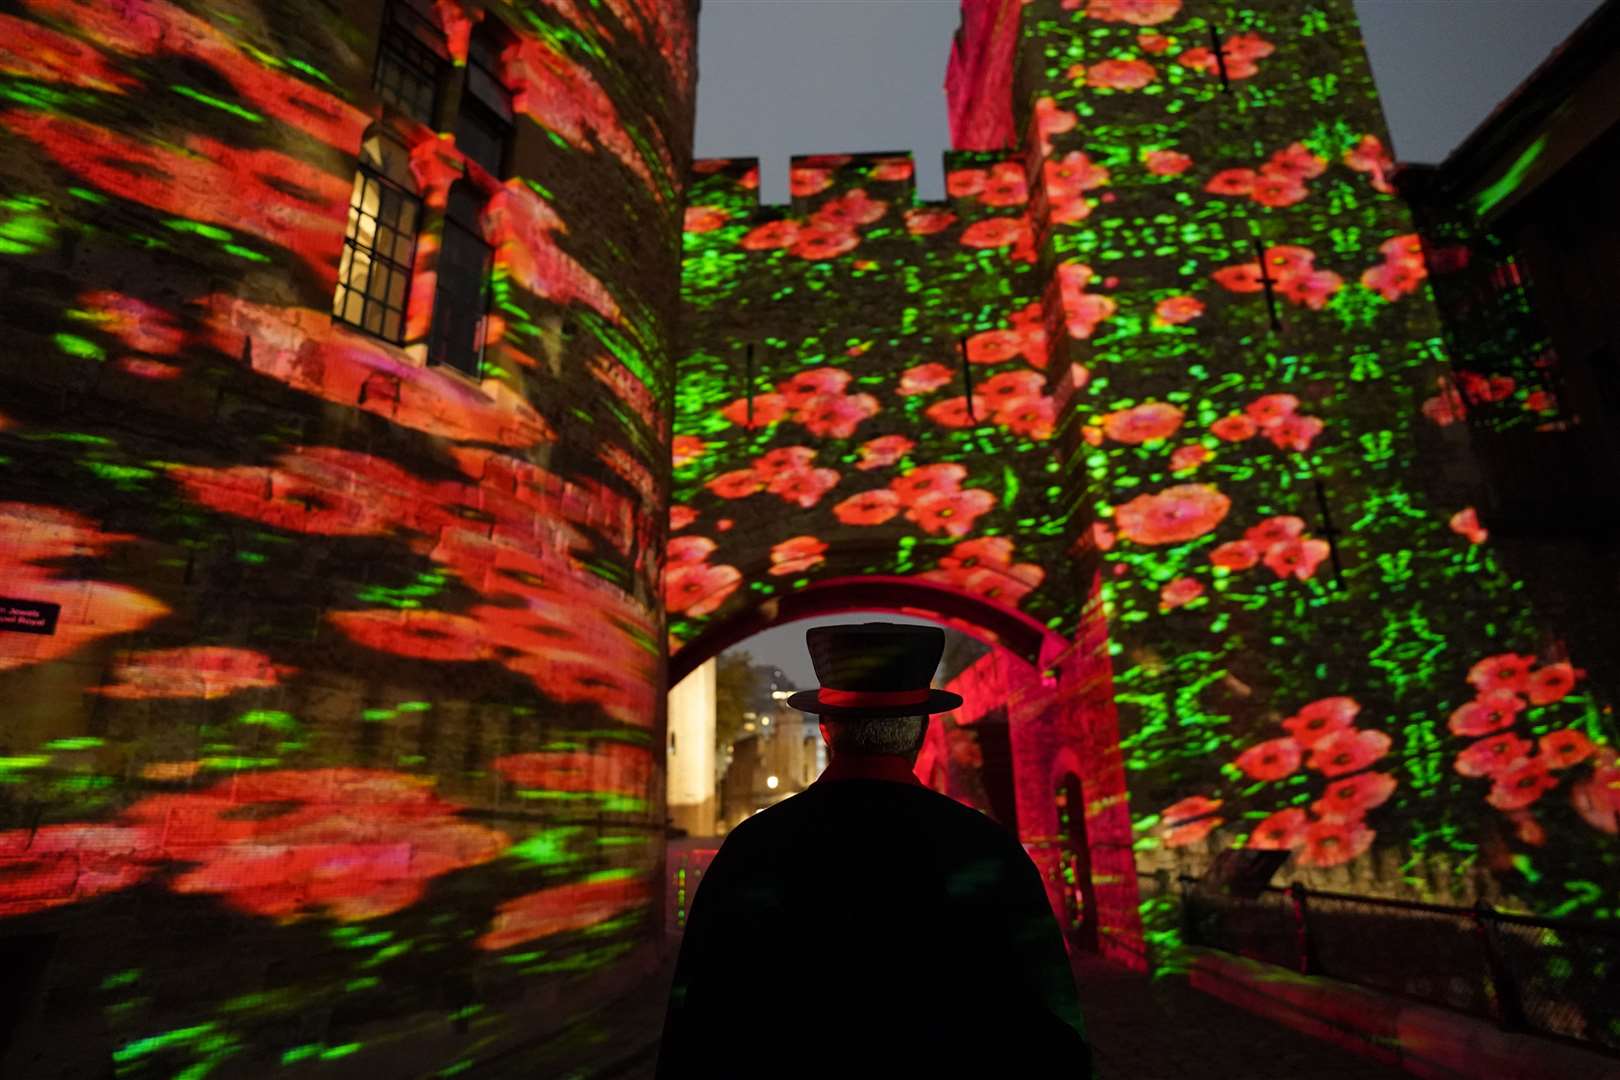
x=484, y=120
x=410, y=60
x=463, y=276
x=374, y=273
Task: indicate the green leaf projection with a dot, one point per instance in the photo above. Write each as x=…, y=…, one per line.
x=1195, y=277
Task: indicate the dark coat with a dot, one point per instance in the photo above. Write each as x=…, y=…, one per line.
x=868, y=927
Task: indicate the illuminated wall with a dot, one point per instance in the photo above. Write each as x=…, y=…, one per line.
x=1315, y=646
x=346, y=743
x=1246, y=419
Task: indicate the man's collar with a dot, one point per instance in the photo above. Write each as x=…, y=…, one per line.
x=889, y=767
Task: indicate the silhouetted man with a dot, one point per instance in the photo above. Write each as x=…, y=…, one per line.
x=868, y=925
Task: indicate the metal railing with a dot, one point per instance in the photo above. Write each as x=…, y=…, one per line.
x=1554, y=977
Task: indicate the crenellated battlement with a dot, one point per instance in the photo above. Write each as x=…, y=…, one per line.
x=732, y=184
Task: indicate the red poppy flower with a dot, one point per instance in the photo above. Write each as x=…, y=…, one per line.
x=1310, y=289
x=1296, y=558
x=883, y=451
x=965, y=183
x=1175, y=310
x=1491, y=756
x=1281, y=831
x=1135, y=12
x=1504, y=671
x=1492, y=711
x=1350, y=799
x=1032, y=416
x=926, y=479
x=995, y=584
x=1148, y=422
x=1189, y=457
x=1540, y=401
x=836, y=415
x=783, y=459
x=804, y=182
x=1270, y=760
x=1369, y=156
x=891, y=169
x=1071, y=175
x=1247, y=46
x=1321, y=719
x=1085, y=311
x=737, y=484
x=749, y=179
x=1465, y=522
x=820, y=240
x=1270, y=409
x=1241, y=278
x=1274, y=530
x=1152, y=43
x=766, y=409
x=1102, y=535
x=1115, y=74
x=797, y=555
x=1199, y=58
x=1295, y=433
x=680, y=517
x=1183, y=590
x=609, y=768
x=1334, y=843
x=702, y=219
x=926, y=222
x=689, y=549
x=1561, y=749
x=954, y=412
x=798, y=389
x=950, y=512
x=1235, y=555
x=560, y=909
x=995, y=232
x=697, y=588
x=1277, y=190
x=1521, y=784
x=686, y=449
x=1394, y=280
x=1347, y=751
x=52, y=865
x=1172, y=516
x=983, y=551
x=1297, y=160
x=1005, y=186
x=1188, y=821
x=1232, y=182
x=850, y=210
x=1168, y=162
x=803, y=486
x=1551, y=683
x=1006, y=386
x=1051, y=120
x=868, y=508
x=1286, y=260
x=199, y=671
x=771, y=235
x=924, y=378
x=993, y=346
x=1597, y=798
x=1234, y=428
x=1445, y=408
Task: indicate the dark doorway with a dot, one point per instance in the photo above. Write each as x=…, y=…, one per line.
x=1074, y=865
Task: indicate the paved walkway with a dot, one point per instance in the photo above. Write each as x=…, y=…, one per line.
x=1140, y=1028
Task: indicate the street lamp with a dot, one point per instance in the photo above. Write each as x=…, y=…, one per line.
x=771, y=782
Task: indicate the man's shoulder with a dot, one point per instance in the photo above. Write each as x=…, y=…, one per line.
x=912, y=800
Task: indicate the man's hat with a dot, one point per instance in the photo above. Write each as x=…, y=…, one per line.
x=876, y=669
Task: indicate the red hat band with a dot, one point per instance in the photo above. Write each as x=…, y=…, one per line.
x=859, y=699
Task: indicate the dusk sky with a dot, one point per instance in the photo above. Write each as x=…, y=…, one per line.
x=784, y=77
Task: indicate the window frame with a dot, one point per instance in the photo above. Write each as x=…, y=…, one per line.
x=366, y=174
x=407, y=36
x=461, y=216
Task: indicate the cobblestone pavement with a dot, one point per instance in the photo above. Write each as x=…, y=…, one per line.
x=1140, y=1028
x=1163, y=1029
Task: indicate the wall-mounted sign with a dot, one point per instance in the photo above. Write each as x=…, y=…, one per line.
x=28, y=616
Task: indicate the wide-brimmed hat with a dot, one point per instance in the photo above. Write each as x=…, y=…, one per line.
x=872, y=670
